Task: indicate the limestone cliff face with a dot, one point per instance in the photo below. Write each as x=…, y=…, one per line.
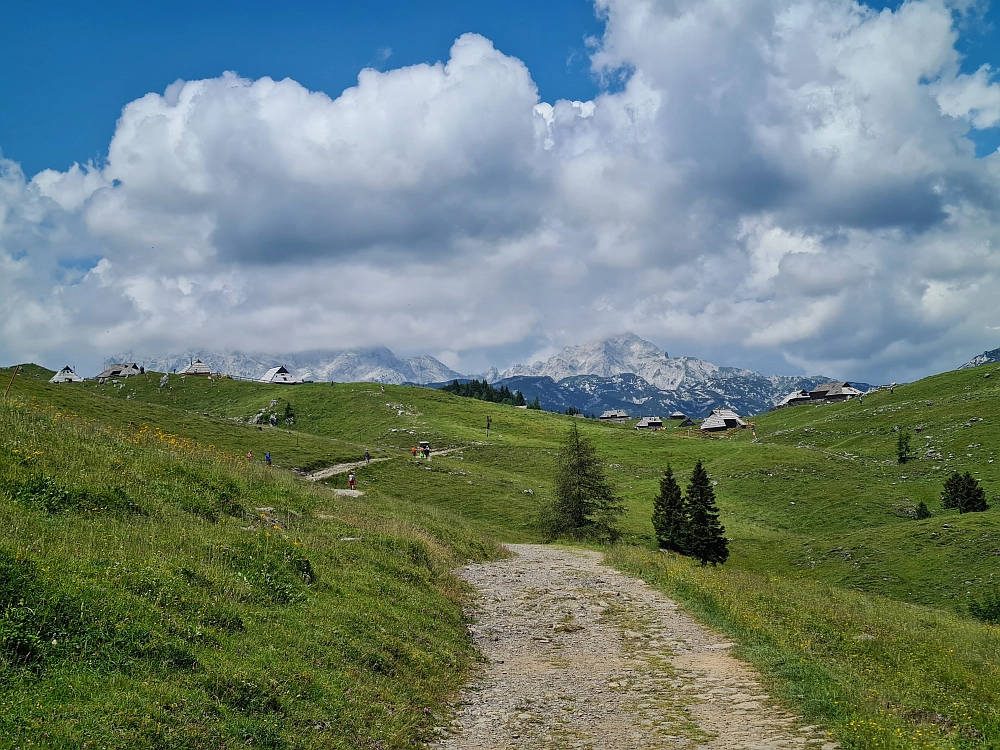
x=986, y=358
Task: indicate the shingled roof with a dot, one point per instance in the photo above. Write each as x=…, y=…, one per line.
x=722, y=419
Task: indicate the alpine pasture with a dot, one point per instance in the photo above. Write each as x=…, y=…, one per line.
x=162, y=589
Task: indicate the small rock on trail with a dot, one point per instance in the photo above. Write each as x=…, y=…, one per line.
x=581, y=656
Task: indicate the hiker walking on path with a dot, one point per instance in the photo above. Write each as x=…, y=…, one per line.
x=413, y=451
x=249, y=455
x=267, y=458
x=351, y=481
x=368, y=457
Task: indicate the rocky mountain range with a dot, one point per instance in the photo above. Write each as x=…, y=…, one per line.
x=619, y=372
x=986, y=358
x=377, y=365
x=617, y=355
x=626, y=372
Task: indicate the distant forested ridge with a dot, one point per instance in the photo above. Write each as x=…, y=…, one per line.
x=483, y=391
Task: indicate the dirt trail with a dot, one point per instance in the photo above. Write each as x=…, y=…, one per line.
x=581, y=656
x=344, y=468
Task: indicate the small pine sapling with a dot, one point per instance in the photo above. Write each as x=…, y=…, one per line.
x=922, y=510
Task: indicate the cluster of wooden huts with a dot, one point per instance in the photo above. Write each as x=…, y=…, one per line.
x=717, y=421
x=822, y=394
x=122, y=370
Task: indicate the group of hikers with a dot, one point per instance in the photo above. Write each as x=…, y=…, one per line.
x=267, y=457
x=352, y=480
x=424, y=451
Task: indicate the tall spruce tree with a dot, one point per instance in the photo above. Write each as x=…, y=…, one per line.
x=707, y=542
x=670, y=519
x=585, y=505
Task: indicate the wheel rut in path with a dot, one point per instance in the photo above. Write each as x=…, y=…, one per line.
x=578, y=655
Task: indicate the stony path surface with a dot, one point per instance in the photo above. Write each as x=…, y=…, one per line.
x=581, y=656
x=346, y=467
x=343, y=468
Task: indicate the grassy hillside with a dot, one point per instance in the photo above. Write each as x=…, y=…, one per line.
x=820, y=496
x=157, y=592
x=825, y=551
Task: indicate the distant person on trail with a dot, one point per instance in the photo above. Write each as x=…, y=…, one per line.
x=267, y=458
x=249, y=455
x=413, y=451
x=383, y=388
x=427, y=452
x=351, y=481
x=368, y=457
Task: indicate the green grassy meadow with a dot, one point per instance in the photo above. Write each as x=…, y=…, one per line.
x=118, y=498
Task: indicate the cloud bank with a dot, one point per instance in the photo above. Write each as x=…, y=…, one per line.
x=785, y=184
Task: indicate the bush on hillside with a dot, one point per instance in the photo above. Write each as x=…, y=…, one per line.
x=986, y=609
x=962, y=492
x=585, y=505
x=42, y=491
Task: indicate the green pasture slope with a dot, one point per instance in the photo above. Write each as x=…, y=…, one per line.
x=856, y=612
x=159, y=593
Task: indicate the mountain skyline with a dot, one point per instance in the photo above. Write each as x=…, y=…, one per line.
x=620, y=371
x=619, y=354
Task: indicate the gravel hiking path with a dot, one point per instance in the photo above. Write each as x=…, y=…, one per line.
x=578, y=655
x=344, y=468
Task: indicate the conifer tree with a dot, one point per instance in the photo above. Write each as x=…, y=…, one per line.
x=963, y=492
x=585, y=505
x=670, y=519
x=707, y=542
x=903, y=446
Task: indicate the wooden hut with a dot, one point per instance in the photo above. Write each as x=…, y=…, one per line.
x=722, y=419
x=66, y=375
x=197, y=367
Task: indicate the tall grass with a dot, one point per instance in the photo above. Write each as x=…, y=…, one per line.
x=878, y=673
x=225, y=605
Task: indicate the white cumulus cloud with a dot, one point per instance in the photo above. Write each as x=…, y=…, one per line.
x=776, y=183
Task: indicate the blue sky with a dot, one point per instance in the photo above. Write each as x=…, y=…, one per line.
x=790, y=185
x=71, y=66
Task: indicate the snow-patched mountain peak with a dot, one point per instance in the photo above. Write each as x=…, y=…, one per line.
x=986, y=358
x=378, y=365
x=618, y=355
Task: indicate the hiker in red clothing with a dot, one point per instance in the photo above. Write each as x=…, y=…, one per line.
x=351, y=481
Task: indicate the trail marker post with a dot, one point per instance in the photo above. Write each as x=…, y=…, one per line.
x=18, y=367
